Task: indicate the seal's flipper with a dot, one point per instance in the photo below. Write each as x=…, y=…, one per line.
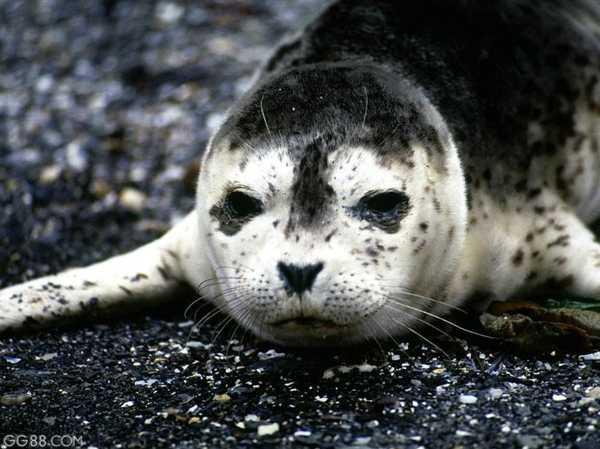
x=152, y=273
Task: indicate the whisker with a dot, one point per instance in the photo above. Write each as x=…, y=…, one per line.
x=388, y=333
x=366, y=107
x=262, y=111
x=425, y=322
x=414, y=294
x=208, y=300
x=398, y=302
x=372, y=336
x=421, y=336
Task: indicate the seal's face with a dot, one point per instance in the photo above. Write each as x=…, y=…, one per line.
x=328, y=237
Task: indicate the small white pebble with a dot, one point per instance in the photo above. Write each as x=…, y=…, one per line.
x=132, y=199
x=50, y=173
x=328, y=374
x=559, y=397
x=12, y=360
x=467, y=399
x=495, y=393
x=169, y=13
x=463, y=433
x=591, y=357
x=49, y=356
x=366, y=368
x=302, y=433
x=197, y=345
x=267, y=429
x=127, y=404
x=270, y=354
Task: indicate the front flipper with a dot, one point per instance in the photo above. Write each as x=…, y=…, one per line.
x=152, y=273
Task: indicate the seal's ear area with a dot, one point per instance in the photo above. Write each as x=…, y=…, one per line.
x=153, y=273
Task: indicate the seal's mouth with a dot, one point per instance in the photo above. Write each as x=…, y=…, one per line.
x=306, y=322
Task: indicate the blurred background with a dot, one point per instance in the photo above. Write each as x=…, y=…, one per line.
x=105, y=109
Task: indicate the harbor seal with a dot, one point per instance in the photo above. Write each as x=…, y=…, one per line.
x=392, y=161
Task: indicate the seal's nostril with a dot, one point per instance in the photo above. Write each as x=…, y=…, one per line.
x=299, y=279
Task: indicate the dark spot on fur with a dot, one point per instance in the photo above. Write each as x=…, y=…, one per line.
x=138, y=277
x=371, y=252
x=164, y=272
x=330, y=235
x=563, y=241
x=517, y=259
x=126, y=290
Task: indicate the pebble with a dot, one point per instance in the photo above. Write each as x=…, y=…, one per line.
x=495, y=393
x=145, y=383
x=591, y=357
x=270, y=354
x=15, y=398
x=198, y=345
x=50, y=173
x=12, y=360
x=467, y=399
x=559, y=397
x=169, y=13
x=49, y=356
x=222, y=397
x=77, y=158
x=267, y=429
x=132, y=199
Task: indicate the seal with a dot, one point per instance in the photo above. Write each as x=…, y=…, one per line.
x=392, y=161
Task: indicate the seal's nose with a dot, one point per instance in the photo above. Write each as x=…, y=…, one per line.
x=298, y=279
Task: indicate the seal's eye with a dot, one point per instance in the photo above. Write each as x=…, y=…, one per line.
x=240, y=205
x=383, y=209
x=385, y=203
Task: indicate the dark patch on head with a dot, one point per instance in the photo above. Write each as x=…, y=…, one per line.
x=361, y=104
x=311, y=193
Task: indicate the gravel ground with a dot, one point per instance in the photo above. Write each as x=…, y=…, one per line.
x=105, y=107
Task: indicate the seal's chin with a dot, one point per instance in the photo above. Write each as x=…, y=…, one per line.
x=311, y=331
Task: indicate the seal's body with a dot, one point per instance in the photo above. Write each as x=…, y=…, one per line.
x=393, y=160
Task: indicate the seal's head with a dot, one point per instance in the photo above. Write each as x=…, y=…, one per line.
x=333, y=204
